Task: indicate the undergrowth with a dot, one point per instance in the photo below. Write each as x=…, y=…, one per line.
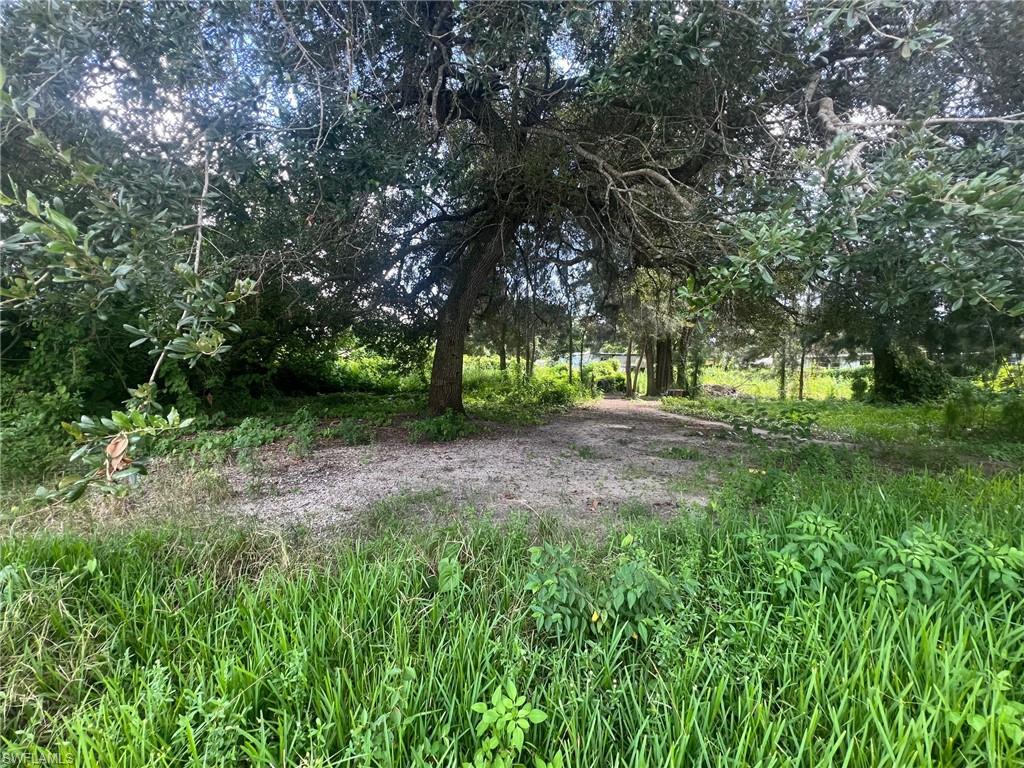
x=821, y=611
x=990, y=426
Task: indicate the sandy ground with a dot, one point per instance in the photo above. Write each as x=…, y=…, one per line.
x=582, y=466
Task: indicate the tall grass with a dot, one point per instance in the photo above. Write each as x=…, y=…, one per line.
x=510, y=396
x=910, y=426
x=168, y=648
x=819, y=383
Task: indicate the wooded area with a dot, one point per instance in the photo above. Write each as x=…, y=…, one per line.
x=286, y=247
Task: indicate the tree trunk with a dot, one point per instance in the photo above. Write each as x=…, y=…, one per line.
x=453, y=321
x=695, y=352
x=570, y=347
x=629, y=364
x=886, y=383
x=782, y=371
x=681, y=370
x=803, y=358
x=502, y=350
x=664, y=355
x=639, y=365
x=652, y=368
x=583, y=342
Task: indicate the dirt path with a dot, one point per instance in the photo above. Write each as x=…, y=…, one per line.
x=582, y=465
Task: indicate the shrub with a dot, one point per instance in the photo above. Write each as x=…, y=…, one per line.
x=813, y=556
x=916, y=379
x=439, y=429
x=549, y=392
x=303, y=428
x=560, y=601
x=31, y=437
x=250, y=435
x=1011, y=417
x=350, y=432
x=1009, y=378
x=975, y=409
x=965, y=409
x=627, y=599
x=605, y=375
x=859, y=388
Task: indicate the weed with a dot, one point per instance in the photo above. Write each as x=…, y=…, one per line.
x=504, y=723
x=165, y=646
x=303, y=431
x=634, y=510
x=349, y=431
x=624, y=600
x=440, y=429
x=680, y=453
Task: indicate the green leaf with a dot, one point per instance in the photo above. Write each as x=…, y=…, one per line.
x=32, y=202
x=121, y=419
x=76, y=491
x=536, y=716
x=62, y=222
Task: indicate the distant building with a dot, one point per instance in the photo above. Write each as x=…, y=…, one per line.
x=596, y=357
x=841, y=360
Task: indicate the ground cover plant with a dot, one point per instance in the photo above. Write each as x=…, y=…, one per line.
x=989, y=428
x=819, y=383
x=879, y=613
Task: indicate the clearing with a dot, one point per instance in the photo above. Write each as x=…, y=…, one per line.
x=581, y=465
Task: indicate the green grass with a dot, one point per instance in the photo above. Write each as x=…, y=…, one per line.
x=819, y=383
x=355, y=417
x=507, y=397
x=680, y=453
x=915, y=426
x=221, y=647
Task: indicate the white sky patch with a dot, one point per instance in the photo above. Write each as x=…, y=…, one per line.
x=100, y=93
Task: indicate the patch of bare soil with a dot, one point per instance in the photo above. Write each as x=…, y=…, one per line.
x=580, y=466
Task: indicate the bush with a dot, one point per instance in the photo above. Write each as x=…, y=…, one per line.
x=303, y=428
x=965, y=409
x=250, y=435
x=859, y=388
x=31, y=437
x=439, y=429
x=1009, y=378
x=1011, y=417
x=605, y=375
x=626, y=598
x=974, y=409
x=915, y=379
x=350, y=432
